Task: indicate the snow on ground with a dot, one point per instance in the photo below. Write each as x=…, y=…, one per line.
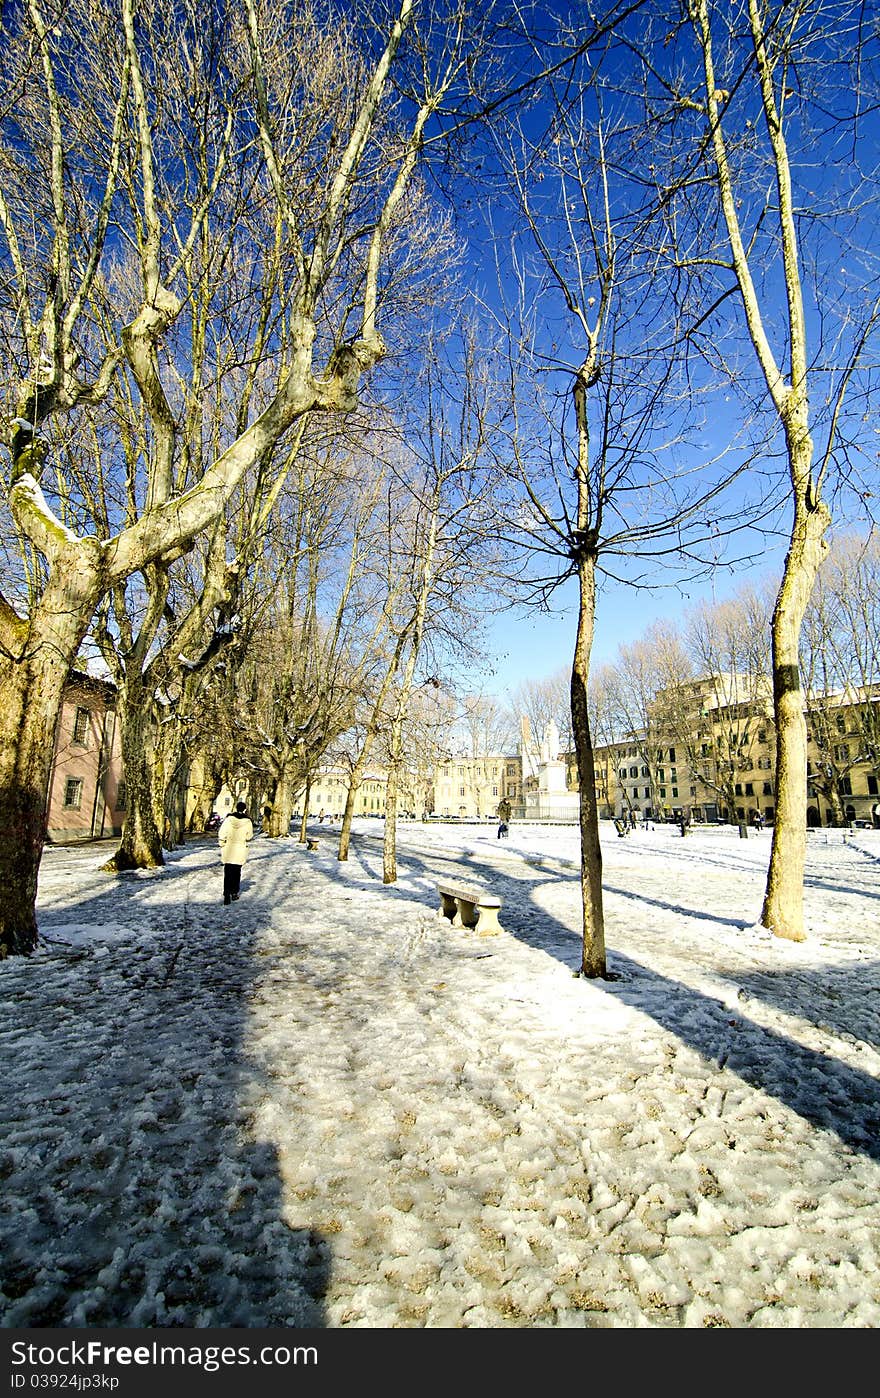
x=326, y=1106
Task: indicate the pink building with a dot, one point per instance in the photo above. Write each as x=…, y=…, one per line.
x=87, y=792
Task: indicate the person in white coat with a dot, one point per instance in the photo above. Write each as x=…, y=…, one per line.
x=234, y=835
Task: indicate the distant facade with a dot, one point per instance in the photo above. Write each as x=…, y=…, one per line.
x=329, y=792
x=717, y=761
x=461, y=788
x=470, y=788
x=87, y=792
x=708, y=755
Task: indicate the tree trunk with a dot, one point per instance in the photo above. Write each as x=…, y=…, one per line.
x=593, y=962
x=31, y=701
x=304, y=823
x=389, y=844
x=33, y=689
x=141, y=843
x=837, y=816
x=348, y=814
x=169, y=782
x=175, y=805
x=783, y=910
x=282, y=804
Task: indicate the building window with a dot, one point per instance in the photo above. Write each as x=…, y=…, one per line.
x=663, y=793
x=122, y=797
x=81, y=727
x=461, y=791
x=841, y=752
x=844, y=786
x=73, y=789
x=494, y=791
x=768, y=788
x=750, y=790
x=872, y=786
x=675, y=791
x=738, y=790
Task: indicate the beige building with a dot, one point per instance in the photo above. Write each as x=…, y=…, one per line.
x=462, y=788
x=470, y=788
x=329, y=792
x=710, y=756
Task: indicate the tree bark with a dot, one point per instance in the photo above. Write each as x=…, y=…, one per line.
x=174, y=830
x=304, y=823
x=282, y=803
x=33, y=672
x=141, y=844
x=389, y=844
x=593, y=962
x=351, y=797
x=782, y=912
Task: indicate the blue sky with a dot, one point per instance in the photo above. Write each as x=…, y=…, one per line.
x=533, y=645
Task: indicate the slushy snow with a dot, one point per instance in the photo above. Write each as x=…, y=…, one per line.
x=325, y=1106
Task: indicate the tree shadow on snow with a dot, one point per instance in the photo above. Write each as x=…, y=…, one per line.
x=822, y=1089
x=830, y=1094
x=136, y=1191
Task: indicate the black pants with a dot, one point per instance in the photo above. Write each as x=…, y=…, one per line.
x=231, y=881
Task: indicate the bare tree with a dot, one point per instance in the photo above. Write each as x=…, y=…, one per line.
x=263, y=113
x=839, y=662
x=729, y=644
x=648, y=693
x=850, y=579
x=599, y=450
x=542, y=701
x=739, y=93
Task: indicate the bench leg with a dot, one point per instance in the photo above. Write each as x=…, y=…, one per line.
x=448, y=907
x=487, y=922
x=466, y=915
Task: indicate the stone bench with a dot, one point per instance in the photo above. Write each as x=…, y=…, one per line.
x=312, y=843
x=470, y=907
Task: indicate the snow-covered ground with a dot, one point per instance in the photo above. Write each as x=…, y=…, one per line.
x=325, y=1106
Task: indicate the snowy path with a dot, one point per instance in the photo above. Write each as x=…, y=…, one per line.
x=323, y=1106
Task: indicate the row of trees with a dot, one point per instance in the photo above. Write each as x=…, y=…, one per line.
x=203, y=218
x=221, y=463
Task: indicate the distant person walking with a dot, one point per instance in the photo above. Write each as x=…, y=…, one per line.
x=234, y=835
